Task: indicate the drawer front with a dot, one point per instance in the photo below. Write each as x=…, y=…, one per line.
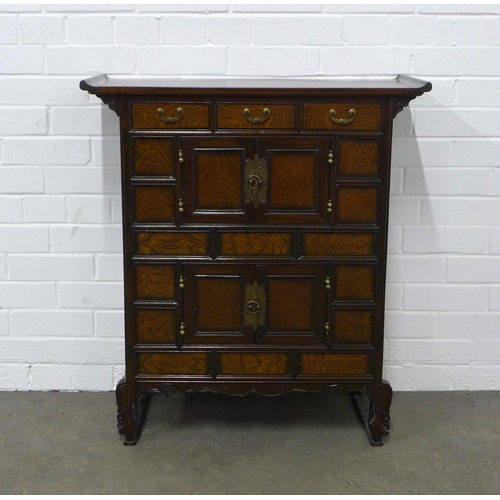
x=153, y=156
x=254, y=364
x=245, y=244
x=154, y=204
x=163, y=115
x=319, y=364
x=353, y=327
x=174, y=363
x=337, y=244
x=173, y=243
x=156, y=326
x=341, y=116
x=354, y=283
x=155, y=282
x=256, y=116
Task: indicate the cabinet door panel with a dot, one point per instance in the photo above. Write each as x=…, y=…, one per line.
x=214, y=304
x=213, y=175
x=295, y=304
x=297, y=178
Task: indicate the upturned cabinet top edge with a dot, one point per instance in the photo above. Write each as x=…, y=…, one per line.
x=401, y=85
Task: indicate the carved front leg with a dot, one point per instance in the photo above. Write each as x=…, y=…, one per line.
x=379, y=415
x=131, y=412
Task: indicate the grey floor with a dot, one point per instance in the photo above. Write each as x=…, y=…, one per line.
x=66, y=443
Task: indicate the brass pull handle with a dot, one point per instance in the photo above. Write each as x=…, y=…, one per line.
x=182, y=282
x=181, y=156
x=328, y=283
x=253, y=182
x=169, y=119
x=253, y=307
x=182, y=329
x=343, y=121
x=265, y=111
x=181, y=206
x=330, y=157
x=329, y=206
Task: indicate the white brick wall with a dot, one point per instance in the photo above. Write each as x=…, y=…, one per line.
x=61, y=318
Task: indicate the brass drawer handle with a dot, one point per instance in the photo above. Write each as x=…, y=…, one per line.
x=253, y=307
x=265, y=111
x=343, y=121
x=169, y=119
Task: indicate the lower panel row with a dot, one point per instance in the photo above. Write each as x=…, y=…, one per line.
x=258, y=364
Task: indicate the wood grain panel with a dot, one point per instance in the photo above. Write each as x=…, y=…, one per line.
x=255, y=244
x=328, y=244
x=334, y=364
x=290, y=304
x=358, y=157
x=317, y=116
x=194, y=116
x=219, y=304
x=220, y=179
x=175, y=363
x=153, y=157
x=354, y=283
x=353, y=327
x=235, y=363
x=178, y=243
x=155, y=282
x=156, y=326
x=292, y=180
x=154, y=203
x=282, y=116
x=357, y=205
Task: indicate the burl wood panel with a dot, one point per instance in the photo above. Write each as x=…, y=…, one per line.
x=317, y=116
x=219, y=304
x=354, y=283
x=153, y=157
x=282, y=116
x=328, y=244
x=353, y=327
x=155, y=282
x=154, y=326
x=194, y=116
x=179, y=243
x=334, y=364
x=174, y=363
x=357, y=205
x=219, y=179
x=357, y=157
x=236, y=363
x=292, y=180
x=255, y=244
x=154, y=204
x=290, y=304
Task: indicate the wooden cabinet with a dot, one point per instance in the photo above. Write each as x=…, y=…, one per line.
x=255, y=236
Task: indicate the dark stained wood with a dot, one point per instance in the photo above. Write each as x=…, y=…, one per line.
x=253, y=243
x=155, y=282
x=317, y=116
x=281, y=116
x=174, y=363
x=153, y=156
x=194, y=116
x=156, y=326
x=154, y=204
x=342, y=244
x=334, y=364
x=319, y=274
x=248, y=363
x=357, y=205
x=358, y=157
x=353, y=327
x=354, y=283
x=180, y=243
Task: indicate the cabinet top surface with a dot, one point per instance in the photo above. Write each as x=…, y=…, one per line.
x=117, y=85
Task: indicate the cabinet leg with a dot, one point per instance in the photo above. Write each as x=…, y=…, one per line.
x=375, y=412
x=131, y=412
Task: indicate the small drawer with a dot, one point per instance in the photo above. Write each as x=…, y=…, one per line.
x=173, y=363
x=336, y=116
x=254, y=364
x=334, y=364
x=154, y=204
x=170, y=116
x=337, y=244
x=353, y=326
x=155, y=282
x=251, y=116
x=354, y=283
x=156, y=326
x=173, y=243
x=244, y=244
x=153, y=156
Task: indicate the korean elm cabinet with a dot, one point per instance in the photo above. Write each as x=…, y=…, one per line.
x=255, y=236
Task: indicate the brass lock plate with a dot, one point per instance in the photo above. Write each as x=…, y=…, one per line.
x=255, y=305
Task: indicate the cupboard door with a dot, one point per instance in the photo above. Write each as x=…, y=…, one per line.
x=213, y=179
x=297, y=180
x=296, y=301
x=214, y=304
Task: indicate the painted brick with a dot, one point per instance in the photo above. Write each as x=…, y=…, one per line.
x=50, y=267
x=415, y=269
x=8, y=29
x=321, y=31
x=398, y=375
x=13, y=377
x=406, y=325
x=458, y=9
x=441, y=297
x=233, y=30
x=21, y=180
x=494, y=241
x=429, y=153
x=436, y=61
x=109, y=267
x=442, y=352
x=274, y=31
x=105, y=151
x=11, y=209
x=4, y=323
x=198, y=8
x=487, y=351
x=90, y=295
x=490, y=31
x=42, y=29
x=83, y=121
x=473, y=269
x=412, y=30
x=431, y=378
x=85, y=238
x=142, y=30
x=475, y=378
x=469, y=325
x=21, y=59
x=89, y=209
x=28, y=151
x=478, y=92
x=442, y=211
x=276, y=8
x=494, y=301
x=44, y=208
x=89, y=8
x=50, y=377
x=116, y=209
x=92, y=378
x=483, y=152
x=458, y=31
x=393, y=296
x=24, y=238
x=274, y=61
x=397, y=176
x=403, y=210
x=366, y=30
x=184, y=30
x=20, y=8
x=23, y=350
x=27, y=295
x=109, y=324
x=85, y=180
x=395, y=240
x=86, y=351
x=373, y=8
x=51, y=323
x=479, y=61
x=79, y=32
